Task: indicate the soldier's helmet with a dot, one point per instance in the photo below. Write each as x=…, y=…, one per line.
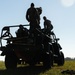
x=32, y=4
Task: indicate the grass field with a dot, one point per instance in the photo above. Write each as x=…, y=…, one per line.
x=37, y=70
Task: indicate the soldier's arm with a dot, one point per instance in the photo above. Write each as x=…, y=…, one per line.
x=27, y=15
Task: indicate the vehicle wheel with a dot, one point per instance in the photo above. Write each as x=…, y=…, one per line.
x=11, y=61
x=61, y=59
x=47, y=62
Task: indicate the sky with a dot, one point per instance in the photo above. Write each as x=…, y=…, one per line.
x=60, y=12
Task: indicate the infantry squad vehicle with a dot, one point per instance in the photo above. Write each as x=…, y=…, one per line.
x=31, y=48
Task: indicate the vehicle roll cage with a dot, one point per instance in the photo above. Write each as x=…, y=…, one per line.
x=6, y=32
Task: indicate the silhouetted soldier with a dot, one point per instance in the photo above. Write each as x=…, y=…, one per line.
x=39, y=9
x=47, y=25
x=22, y=32
x=33, y=17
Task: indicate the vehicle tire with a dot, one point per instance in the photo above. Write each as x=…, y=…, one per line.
x=11, y=61
x=61, y=59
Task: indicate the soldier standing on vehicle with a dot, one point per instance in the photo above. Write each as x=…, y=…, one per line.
x=47, y=25
x=33, y=17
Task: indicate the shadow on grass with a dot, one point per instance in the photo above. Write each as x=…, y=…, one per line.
x=36, y=70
